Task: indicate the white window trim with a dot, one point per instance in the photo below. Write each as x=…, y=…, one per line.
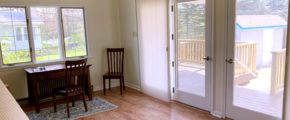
x=63, y=58
x=28, y=65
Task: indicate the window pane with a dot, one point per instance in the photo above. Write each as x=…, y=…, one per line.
x=45, y=33
x=260, y=52
x=74, y=32
x=13, y=35
x=18, y=33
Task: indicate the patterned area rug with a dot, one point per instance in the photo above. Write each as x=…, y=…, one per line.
x=94, y=106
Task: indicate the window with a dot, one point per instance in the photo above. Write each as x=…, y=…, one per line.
x=56, y=34
x=14, y=49
x=74, y=32
x=18, y=33
x=45, y=33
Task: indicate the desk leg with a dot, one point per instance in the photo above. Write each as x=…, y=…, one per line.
x=37, y=109
x=91, y=88
x=35, y=93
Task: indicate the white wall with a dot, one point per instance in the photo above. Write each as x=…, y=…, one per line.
x=103, y=31
x=129, y=40
x=267, y=43
x=278, y=40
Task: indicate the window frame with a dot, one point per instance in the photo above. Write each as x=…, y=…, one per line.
x=29, y=26
x=38, y=29
x=28, y=35
x=85, y=30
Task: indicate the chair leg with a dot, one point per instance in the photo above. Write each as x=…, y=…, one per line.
x=67, y=107
x=110, y=84
x=104, y=85
x=85, y=104
x=123, y=83
x=121, y=86
x=54, y=103
x=73, y=101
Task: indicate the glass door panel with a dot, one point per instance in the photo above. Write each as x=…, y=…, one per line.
x=259, y=57
x=192, y=48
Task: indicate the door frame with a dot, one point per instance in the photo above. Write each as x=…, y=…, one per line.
x=231, y=110
x=209, y=51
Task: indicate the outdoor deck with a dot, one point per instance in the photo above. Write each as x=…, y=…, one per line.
x=188, y=84
x=255, y=95
x=256, y=87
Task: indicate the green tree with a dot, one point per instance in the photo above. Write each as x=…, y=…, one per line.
x=279, y=7
x=263, y=7
x=191, y=21
x=252, y=7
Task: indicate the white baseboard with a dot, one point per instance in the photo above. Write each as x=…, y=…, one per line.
x=133, y=86
x=116, y=84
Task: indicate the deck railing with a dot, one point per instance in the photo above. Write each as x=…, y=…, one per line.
x=278, y=70
x=193, y=51
x=245, y=58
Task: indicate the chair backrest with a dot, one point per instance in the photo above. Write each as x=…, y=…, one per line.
x=115, y=58
x=75, y=73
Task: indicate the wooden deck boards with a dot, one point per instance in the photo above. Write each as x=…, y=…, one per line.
x=254, y=96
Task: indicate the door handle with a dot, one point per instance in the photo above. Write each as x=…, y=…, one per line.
x=206, y=58
x=230, y=61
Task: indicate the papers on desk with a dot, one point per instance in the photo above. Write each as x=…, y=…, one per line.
x=39, y=69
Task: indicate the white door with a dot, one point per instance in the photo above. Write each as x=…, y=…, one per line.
x=256, y=48
x=193, y=52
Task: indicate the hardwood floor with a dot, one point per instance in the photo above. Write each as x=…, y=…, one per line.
x=134, y=105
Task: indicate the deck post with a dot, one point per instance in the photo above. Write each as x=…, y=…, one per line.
x=278, y=70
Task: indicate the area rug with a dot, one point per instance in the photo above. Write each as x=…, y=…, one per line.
x=94, y=106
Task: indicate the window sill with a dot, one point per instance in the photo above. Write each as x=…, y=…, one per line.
x=29, y=65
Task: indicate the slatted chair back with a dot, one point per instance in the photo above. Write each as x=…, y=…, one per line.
x=75, y=75
x=115, y=57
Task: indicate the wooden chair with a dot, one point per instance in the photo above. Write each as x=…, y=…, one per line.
x=115, y=57
x=74, y=83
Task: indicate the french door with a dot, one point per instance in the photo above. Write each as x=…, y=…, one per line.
x=193, y=52
x=256, y=49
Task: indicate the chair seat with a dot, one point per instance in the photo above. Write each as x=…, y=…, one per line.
x=74, y=90
x=113, y=74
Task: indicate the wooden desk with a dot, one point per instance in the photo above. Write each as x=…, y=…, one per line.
x=42, y=82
